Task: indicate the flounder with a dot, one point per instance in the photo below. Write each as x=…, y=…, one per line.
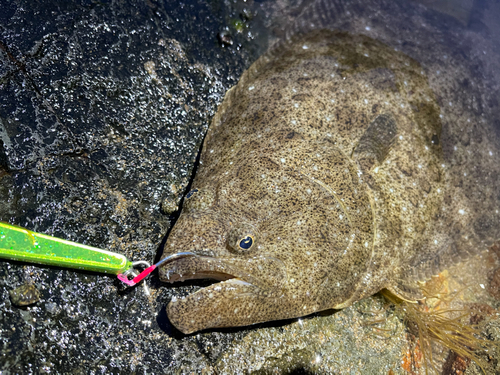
x=342, y=163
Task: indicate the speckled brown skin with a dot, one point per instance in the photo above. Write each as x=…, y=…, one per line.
x=301, y=157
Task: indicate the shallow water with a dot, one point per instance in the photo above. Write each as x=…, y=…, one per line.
x=103, y=108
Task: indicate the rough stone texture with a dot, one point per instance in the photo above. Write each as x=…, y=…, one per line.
x=103, y=106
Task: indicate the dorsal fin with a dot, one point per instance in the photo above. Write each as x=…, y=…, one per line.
x=376, y=142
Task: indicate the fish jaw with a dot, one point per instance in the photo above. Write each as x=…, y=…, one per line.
x=229, y=303
x=247, y=285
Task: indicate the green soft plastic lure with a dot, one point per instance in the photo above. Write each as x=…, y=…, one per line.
x=23, y=245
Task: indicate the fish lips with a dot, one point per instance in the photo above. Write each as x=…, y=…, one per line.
x=264, y=272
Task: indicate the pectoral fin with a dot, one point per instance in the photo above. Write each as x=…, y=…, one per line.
x=375, y=144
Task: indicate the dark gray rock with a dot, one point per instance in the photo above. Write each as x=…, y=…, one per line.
x=103, y=107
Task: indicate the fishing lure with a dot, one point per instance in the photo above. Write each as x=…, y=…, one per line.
x=20, y=244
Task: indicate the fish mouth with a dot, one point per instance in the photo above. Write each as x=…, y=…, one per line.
x=262, y=272
x=245, y=286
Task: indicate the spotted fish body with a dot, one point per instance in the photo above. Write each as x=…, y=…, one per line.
x=342, y=163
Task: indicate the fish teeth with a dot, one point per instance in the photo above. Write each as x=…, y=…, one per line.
x=236, y=281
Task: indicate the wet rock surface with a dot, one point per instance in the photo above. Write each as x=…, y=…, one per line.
x=103, y=107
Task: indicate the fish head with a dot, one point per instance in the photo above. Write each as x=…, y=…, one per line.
x=280, y=243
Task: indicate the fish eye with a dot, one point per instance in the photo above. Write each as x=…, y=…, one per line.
x=242, y=238
x=190, y=194
x=246, y=243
